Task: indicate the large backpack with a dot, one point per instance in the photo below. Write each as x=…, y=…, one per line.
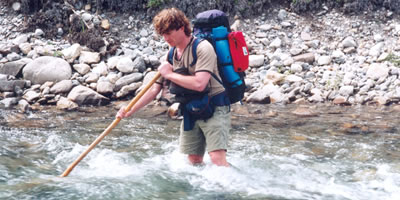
x=213, y=25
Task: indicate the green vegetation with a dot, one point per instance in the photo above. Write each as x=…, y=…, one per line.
x=155, y=3
x=334, y=83
x=304, y=1
x=393, y=59
x=83, y=26
x=57, y=54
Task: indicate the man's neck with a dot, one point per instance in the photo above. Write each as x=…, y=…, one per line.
x=185, y=41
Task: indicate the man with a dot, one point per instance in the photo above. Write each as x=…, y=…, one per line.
x=210, y=134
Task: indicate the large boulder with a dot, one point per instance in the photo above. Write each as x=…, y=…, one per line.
x=47, y=68
x=85, y=96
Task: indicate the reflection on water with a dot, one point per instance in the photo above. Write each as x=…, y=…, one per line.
x=337, y=153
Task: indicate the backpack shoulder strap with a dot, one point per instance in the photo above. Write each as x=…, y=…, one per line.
x=170, y=57
x=194, y=53
x=196, y=42
x=194, y=50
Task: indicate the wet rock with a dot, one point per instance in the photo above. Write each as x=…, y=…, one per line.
x=299, y=137
x=7, y=94
x=304, y=112
x=66, y=104
x=9, y=102
x=23, y=105
x=267, y=94
x=316, y=95
x=31, y=96
x=340, y=100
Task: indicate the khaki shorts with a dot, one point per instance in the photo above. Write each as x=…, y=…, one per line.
x=211, y=134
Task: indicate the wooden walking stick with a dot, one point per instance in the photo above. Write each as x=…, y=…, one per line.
x=111, y=126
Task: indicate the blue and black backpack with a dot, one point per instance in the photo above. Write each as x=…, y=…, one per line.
x=213, y=26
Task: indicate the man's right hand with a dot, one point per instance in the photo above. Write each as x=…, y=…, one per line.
x=122, y=113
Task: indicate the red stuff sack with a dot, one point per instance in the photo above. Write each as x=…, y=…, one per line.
x=239, y=51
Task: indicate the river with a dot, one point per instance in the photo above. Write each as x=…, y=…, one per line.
x=336, y=153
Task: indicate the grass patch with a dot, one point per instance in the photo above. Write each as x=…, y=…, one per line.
x=394, y=59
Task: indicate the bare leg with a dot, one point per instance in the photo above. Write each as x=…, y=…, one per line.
x=218, y=157
x=195, y=159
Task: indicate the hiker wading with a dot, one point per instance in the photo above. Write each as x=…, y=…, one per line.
x=204, y=103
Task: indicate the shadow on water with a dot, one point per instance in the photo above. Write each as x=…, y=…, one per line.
x=278, y=152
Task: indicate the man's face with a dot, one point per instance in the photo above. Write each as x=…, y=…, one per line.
x=174, y=37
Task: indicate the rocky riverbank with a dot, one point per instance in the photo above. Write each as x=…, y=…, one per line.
x=327, y=57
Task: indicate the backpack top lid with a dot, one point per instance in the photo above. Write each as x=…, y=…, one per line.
x=209, y=19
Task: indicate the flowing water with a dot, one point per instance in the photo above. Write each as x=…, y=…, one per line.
x=339, y=153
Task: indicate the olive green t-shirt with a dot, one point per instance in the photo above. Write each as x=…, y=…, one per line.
x=206, y=61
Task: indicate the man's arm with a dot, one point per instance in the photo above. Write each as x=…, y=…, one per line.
x=196, y=82
x=144, y=100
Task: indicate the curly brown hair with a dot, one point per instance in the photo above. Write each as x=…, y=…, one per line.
x=171, y=19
